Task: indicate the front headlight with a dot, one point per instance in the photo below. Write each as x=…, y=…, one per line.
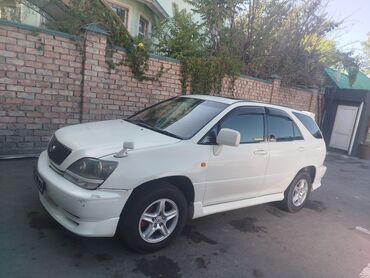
x=89, y=173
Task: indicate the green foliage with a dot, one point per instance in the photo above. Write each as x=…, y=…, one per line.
x=217, y=19
x=260, y=38
x=79, y=13
x=254, y=37
x=202, y=64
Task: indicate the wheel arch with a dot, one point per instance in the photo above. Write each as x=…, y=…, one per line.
x=183, y=183
x=311, y=170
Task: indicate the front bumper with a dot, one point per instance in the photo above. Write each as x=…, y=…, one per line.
x=92, y=213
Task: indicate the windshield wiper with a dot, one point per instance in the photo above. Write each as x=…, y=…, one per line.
x=148, y=126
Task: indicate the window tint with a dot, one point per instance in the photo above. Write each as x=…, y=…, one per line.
x=249, y=124
x=297, y=132
x=310, y=124
x=182, y=116
x=280, y=128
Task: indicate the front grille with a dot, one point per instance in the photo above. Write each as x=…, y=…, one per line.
x=57, y=151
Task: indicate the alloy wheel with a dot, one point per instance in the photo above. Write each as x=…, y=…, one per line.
x=300, y=192
x=158, y=220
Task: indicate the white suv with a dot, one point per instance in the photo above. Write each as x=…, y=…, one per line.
x=188, y=156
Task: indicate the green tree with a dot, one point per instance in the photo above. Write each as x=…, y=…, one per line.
x=282, y=37
x=205, y=60
x=179, y=36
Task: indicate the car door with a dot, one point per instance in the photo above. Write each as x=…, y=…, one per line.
x=237, y=173
x=286, y=148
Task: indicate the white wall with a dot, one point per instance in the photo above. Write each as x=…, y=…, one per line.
x=167, y=5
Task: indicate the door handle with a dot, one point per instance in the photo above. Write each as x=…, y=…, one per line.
x=260, y=152
x=301, y=149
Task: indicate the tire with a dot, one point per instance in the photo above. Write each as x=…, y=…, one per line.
x=135, y=229
x=293, y=201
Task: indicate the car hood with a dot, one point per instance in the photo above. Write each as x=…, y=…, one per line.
x=97, y=139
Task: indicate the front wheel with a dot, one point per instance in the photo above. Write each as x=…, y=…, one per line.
x=153, y=217
x=297, y=193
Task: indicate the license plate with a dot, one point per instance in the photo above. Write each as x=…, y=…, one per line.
x=40, y=183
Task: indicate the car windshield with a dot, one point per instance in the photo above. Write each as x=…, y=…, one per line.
x=180, y=117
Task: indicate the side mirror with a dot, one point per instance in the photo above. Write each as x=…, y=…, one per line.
x=228, y=137
x=127, y=145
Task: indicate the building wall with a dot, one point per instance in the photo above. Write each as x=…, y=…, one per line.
x=49, y=80
x=135, y=10
x=21, y=14
x=349, y=97
x=168, y=4
x=28, y=16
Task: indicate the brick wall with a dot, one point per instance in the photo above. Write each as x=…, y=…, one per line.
x=40, y=77
x=116, y=93
x=49, y=79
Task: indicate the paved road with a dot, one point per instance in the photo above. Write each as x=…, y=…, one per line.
x=262, y=241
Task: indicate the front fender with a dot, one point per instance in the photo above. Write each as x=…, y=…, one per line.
x=141, y=166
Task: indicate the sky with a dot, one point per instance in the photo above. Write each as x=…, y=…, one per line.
x=356, y=14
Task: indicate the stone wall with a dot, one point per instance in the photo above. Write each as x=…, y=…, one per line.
x=50, y=79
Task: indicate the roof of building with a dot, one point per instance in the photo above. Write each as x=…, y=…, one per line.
x=341, y=80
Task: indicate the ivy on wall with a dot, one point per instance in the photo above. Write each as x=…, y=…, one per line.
x=79, y=13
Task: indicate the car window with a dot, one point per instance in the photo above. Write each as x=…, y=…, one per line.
x=280, y=128
x=297, y=133
x=180, y=117
x=250, y=126
x=283, y=129
x=249, y=121
x=310, y=124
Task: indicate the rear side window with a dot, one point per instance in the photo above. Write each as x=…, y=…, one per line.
x=310, y=124
x=281, y=127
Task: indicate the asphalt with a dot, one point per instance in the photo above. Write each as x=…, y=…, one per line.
x=262, y=241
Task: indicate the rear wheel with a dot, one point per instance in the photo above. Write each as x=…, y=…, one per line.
x=297, y=193
x=153, y=217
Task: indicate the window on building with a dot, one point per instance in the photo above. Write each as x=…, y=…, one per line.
x=10, y=11
x=122, y=12
x=143, y=27
x=26, y=14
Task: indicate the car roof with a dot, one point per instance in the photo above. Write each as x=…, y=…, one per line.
x=230, y=101
x=213, y=98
